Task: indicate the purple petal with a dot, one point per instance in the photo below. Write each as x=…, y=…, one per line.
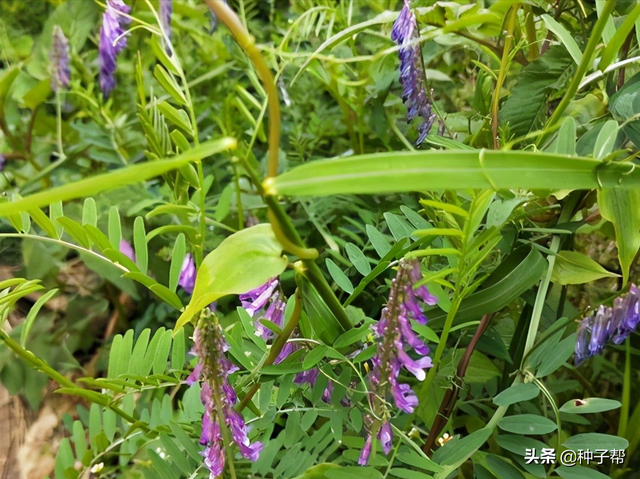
x=363, y=460
x=187, y=278
x=414, y=367
x=127, y=250
x=386, y=437
x=404, y=397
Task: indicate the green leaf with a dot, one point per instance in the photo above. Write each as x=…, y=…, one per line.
x=622, y=208
x=169, y=84
x=593, y=441
x=456, y=451
x=511, y=282
x=393, y=172
x=605, y=142
x=565, y=144
x=242, y=262
x=502, y=469
x=33, y=313
x=589, y=405
x=115, y=228
x=579, y=472
x=353, y=472
x=519, y=444
x=565, y=37
x=527, y=424
x=408, y=474
x=315, y=356
x=115, y=179
x=398, y=226
x=378, y=240
x=572, y=267
x=517, y=393
x=318, y=472
x=557, y=356
x=177, y=117
x=140, y=244
x=89, y=213
x=358, y=259
x=524, y=110
x=481, y=369
x=411, y=457
x=338, y=276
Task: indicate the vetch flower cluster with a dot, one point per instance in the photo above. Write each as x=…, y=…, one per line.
x=255, y=303
x=405, y=33
x=397, y=343
x=59, y=57
x=111, y=42
x=608, y=324
x=220, y=422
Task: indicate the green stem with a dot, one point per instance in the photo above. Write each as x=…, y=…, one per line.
x=61, y=155
x=236, y=177
x=626, y=392
x=41, y=365
x=586, y=62
x=502, y=75
x=554, y=406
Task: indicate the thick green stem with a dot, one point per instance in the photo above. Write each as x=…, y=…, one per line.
x=587, y=59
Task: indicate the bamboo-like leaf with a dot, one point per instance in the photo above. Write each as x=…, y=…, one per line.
x=115, y=179
x=169, y=84
x=439, y=170
x=622, y=208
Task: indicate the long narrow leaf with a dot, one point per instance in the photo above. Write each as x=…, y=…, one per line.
x=115, y=179
x=439, y=170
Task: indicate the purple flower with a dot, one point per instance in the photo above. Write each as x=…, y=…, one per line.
x=127, y=250
x=166, y=9
x=310, y=377
x=111, y=42
x=405, y=33
x=187, y=278
x=608, y=324
x=274, y=314
x=218, y=397
x=257, y=298
x=386, y=437
x=59, y=57
x=397, y=344
x=363, y=460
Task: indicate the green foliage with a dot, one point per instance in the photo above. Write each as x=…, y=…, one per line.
x=535, y=159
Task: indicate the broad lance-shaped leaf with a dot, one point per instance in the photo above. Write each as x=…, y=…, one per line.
x=572, y=267
x=115, y=179
x=395, y=172
x=242, y=262
x=622, y=208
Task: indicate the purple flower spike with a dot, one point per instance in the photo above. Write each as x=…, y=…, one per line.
x=127, y=250
x=396, y=339
x=363, y=460
x=608, y=324
x=60, y=64
x=218, y=398
x=405, y=33
x=188, y=274
x=111, y=42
